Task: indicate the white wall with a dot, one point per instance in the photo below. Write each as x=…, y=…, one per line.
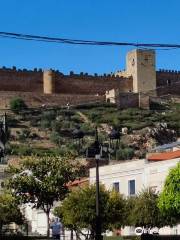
x=37, y=220
x=146, y=174
x=2, y=174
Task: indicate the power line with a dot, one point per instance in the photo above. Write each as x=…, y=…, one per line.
x=30, y=37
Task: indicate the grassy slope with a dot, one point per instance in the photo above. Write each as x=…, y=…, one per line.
x=49, y=131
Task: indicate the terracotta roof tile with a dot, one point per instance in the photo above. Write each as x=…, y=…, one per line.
x=78, y=182
x=164, y=156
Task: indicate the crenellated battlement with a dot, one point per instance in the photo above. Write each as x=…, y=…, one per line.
x=54, y=81
x=168, y=71
x=140, y=75
x=24, y=70
x=13, y=69
x=167, y=78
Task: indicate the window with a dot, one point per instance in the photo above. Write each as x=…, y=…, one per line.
x=168, y=82
x=131, y=187
x=133, y=62
x=146, y=58
x=116, y=186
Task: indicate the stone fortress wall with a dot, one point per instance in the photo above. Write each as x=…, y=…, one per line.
x=32, y=81
x=168, y=82
x=20, y=80
x=167, y=77
x=50, y=82
x=91, y=84
x=140, y=77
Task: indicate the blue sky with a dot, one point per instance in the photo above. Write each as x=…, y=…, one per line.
x=146, y=21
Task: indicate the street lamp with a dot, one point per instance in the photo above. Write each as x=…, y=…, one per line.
x=98, y=152
x=3, y=136
x=114, y=137
x=95, y=151
x=67, y=112
x=98, y=214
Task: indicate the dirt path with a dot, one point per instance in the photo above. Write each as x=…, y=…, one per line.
x=103, y=127
x=84, y=117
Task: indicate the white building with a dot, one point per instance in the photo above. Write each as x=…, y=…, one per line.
x=36, y=219
x=130, y=177
x=2, y=175
x=127, y=177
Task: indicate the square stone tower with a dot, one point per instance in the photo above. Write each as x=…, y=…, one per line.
x=141, y=65
x=48, y=82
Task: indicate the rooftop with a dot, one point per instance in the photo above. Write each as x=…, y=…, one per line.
x=163, y=156
x=167, y=146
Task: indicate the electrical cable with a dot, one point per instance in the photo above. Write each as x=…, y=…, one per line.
x=20, y=36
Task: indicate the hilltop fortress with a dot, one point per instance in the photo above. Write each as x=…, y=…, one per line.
x=124, y=87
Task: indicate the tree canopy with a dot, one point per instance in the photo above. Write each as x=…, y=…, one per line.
x=78, y=210
x=17, y=104
x=42, y=181
x=169, y=200
x=143, y=210
x=9, y=210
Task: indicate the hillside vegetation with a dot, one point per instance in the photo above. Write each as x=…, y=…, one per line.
x=49, y=131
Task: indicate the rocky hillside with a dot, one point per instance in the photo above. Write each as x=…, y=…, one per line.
x=50, y=131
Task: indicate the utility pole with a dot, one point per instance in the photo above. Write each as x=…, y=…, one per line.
x=98, y=214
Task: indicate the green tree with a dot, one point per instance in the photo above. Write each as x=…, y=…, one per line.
x=77, y=211
x=41, y=181
x=117, y=210
x=143, y=210
x=9, y=210
x=17, y=104
x=169, y=199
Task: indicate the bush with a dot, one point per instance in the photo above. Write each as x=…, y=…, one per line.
x=12, y=122
x=94, y=116
x=40, y=152
x=73, y=147
x=23, y=135
x=20, y=150
x=157, y=106
x=66, y=124
x=95, y=105
x=131, y=111
x=135, y=125
x=45, y=124
x=17, y=105
x=154, y=237
x=86, y=127
x=48, y=115
x=19, y=237
x=56, y=138
x=64, y=151
x=24, y=150
x=56, y=126
x=76, y=119
x=125, y=154
x=34, y=121
x=122, y=237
